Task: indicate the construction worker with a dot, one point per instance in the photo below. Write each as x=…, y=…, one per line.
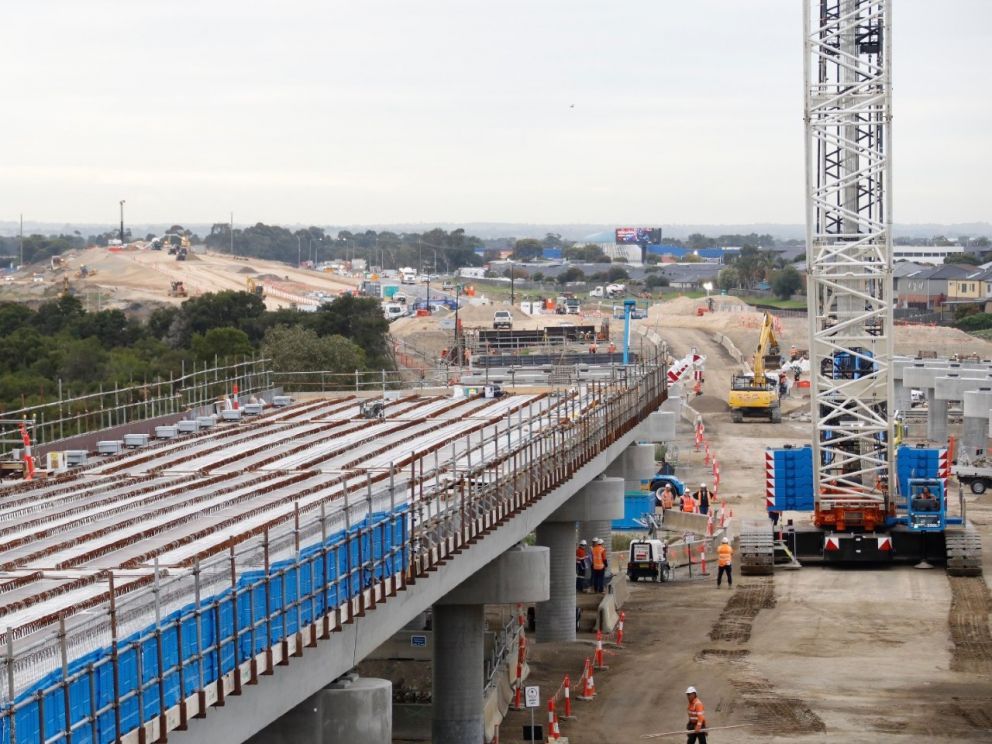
x=688, y=503
x=582, y=563
x=667, y=497
x=697, y=718
x=613, y=347
x=593, y=348
x=703, y=498
x=725, y=557
x=599, y=564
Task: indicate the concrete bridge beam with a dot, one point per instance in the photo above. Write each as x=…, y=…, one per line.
x=521, y=574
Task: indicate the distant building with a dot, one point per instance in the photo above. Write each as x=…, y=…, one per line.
x=926, y=254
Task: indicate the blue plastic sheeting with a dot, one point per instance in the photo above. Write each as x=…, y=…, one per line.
x=793, y=474
x=916, y=462
x=635, y=505
x=93, y=690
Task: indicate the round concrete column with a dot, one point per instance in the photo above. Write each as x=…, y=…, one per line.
x=458, y=669
x=556, y=617
x=353, y=709
x=937, y=421
x=634, y=464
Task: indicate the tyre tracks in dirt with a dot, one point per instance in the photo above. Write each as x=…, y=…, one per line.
x=968, y=619
x=771, y=712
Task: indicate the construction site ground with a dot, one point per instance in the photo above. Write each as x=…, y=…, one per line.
x=891, y=654
x=128, y=279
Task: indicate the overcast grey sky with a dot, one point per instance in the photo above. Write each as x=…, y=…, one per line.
x=378, y=111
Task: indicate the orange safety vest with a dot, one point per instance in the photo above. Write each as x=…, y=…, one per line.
x=598, y=557
x=725, y=553
x=696, y=715
x=688, y=504
x=667, y=498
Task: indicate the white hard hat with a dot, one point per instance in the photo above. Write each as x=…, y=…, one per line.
x=690, y=691
x=597, y=539
x=702, y=485
x=583, y=542
x=726, y=540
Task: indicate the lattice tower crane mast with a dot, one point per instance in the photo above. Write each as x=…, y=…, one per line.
x=848, y=107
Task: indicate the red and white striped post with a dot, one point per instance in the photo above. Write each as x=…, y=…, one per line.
x=599, y=650
x=620, y=630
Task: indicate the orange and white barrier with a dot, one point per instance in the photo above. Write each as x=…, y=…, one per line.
x=702, y=560
x=600, y=664
x=27, y=457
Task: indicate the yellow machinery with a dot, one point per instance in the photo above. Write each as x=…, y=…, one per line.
x=757, y=395
x=177, y=289
x=255, y=288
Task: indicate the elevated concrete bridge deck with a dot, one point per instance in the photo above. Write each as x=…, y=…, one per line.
x=199, y=587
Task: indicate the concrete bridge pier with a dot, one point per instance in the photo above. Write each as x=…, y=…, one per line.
x=937, y=420
x=903, y=396
x=521, y=574
x=976, y=405
x=358, y=710
x=597, y=503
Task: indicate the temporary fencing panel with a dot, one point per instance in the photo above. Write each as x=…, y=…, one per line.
x=301, y=590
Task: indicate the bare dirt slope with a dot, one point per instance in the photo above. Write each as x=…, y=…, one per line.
x=127, y=277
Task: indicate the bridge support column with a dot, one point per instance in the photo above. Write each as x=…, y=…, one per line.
x=598, y=503
x=519, y=575
x=937, y=420
x=358, y=710
x=903, y=396
x=976, y=406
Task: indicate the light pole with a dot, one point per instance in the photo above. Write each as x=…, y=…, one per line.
x=122, y=221
x=512, y=292
x=299, y=252
x=232, y=233
x=458, y=293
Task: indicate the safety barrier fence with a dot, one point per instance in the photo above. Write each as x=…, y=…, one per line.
x=195, y=386
x=155, y=650
x=379, y=380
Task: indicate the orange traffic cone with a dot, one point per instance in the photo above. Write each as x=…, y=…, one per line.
x=588, y=684
x=702, y=560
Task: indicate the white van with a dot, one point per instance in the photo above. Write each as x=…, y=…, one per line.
x=393, y=310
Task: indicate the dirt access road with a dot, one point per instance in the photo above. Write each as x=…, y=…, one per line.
x=892, y=655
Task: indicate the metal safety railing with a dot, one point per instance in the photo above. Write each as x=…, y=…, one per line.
x=152, y=651
x=194, y=387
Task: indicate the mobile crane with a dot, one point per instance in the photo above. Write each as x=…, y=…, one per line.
x=757, y=395
x=865, y=502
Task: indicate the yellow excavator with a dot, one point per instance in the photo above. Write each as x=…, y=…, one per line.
x=255, y=288
x=756, y=396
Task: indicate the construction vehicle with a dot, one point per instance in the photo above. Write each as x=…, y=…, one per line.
x=177, y=289
x=372, y=409
x=173, y=241
x=866, y=499
x=255, y=288
x=85, y=272
x=648, y=558
x=182, y=253
x=57, y=263
x=756, y=394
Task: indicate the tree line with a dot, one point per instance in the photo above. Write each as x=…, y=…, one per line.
x=60, y=340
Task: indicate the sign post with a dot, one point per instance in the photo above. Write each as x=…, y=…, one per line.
x=532, y=697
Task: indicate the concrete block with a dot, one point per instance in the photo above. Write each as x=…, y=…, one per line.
x=135, y=440
x=110, y=446
x=659, y=426
x=166, y=432
x=521, y=574
x=252, y=409
x=205, y=422
x=600, y=499
x=231, y=414
x=281, y=401
x=187, y=425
